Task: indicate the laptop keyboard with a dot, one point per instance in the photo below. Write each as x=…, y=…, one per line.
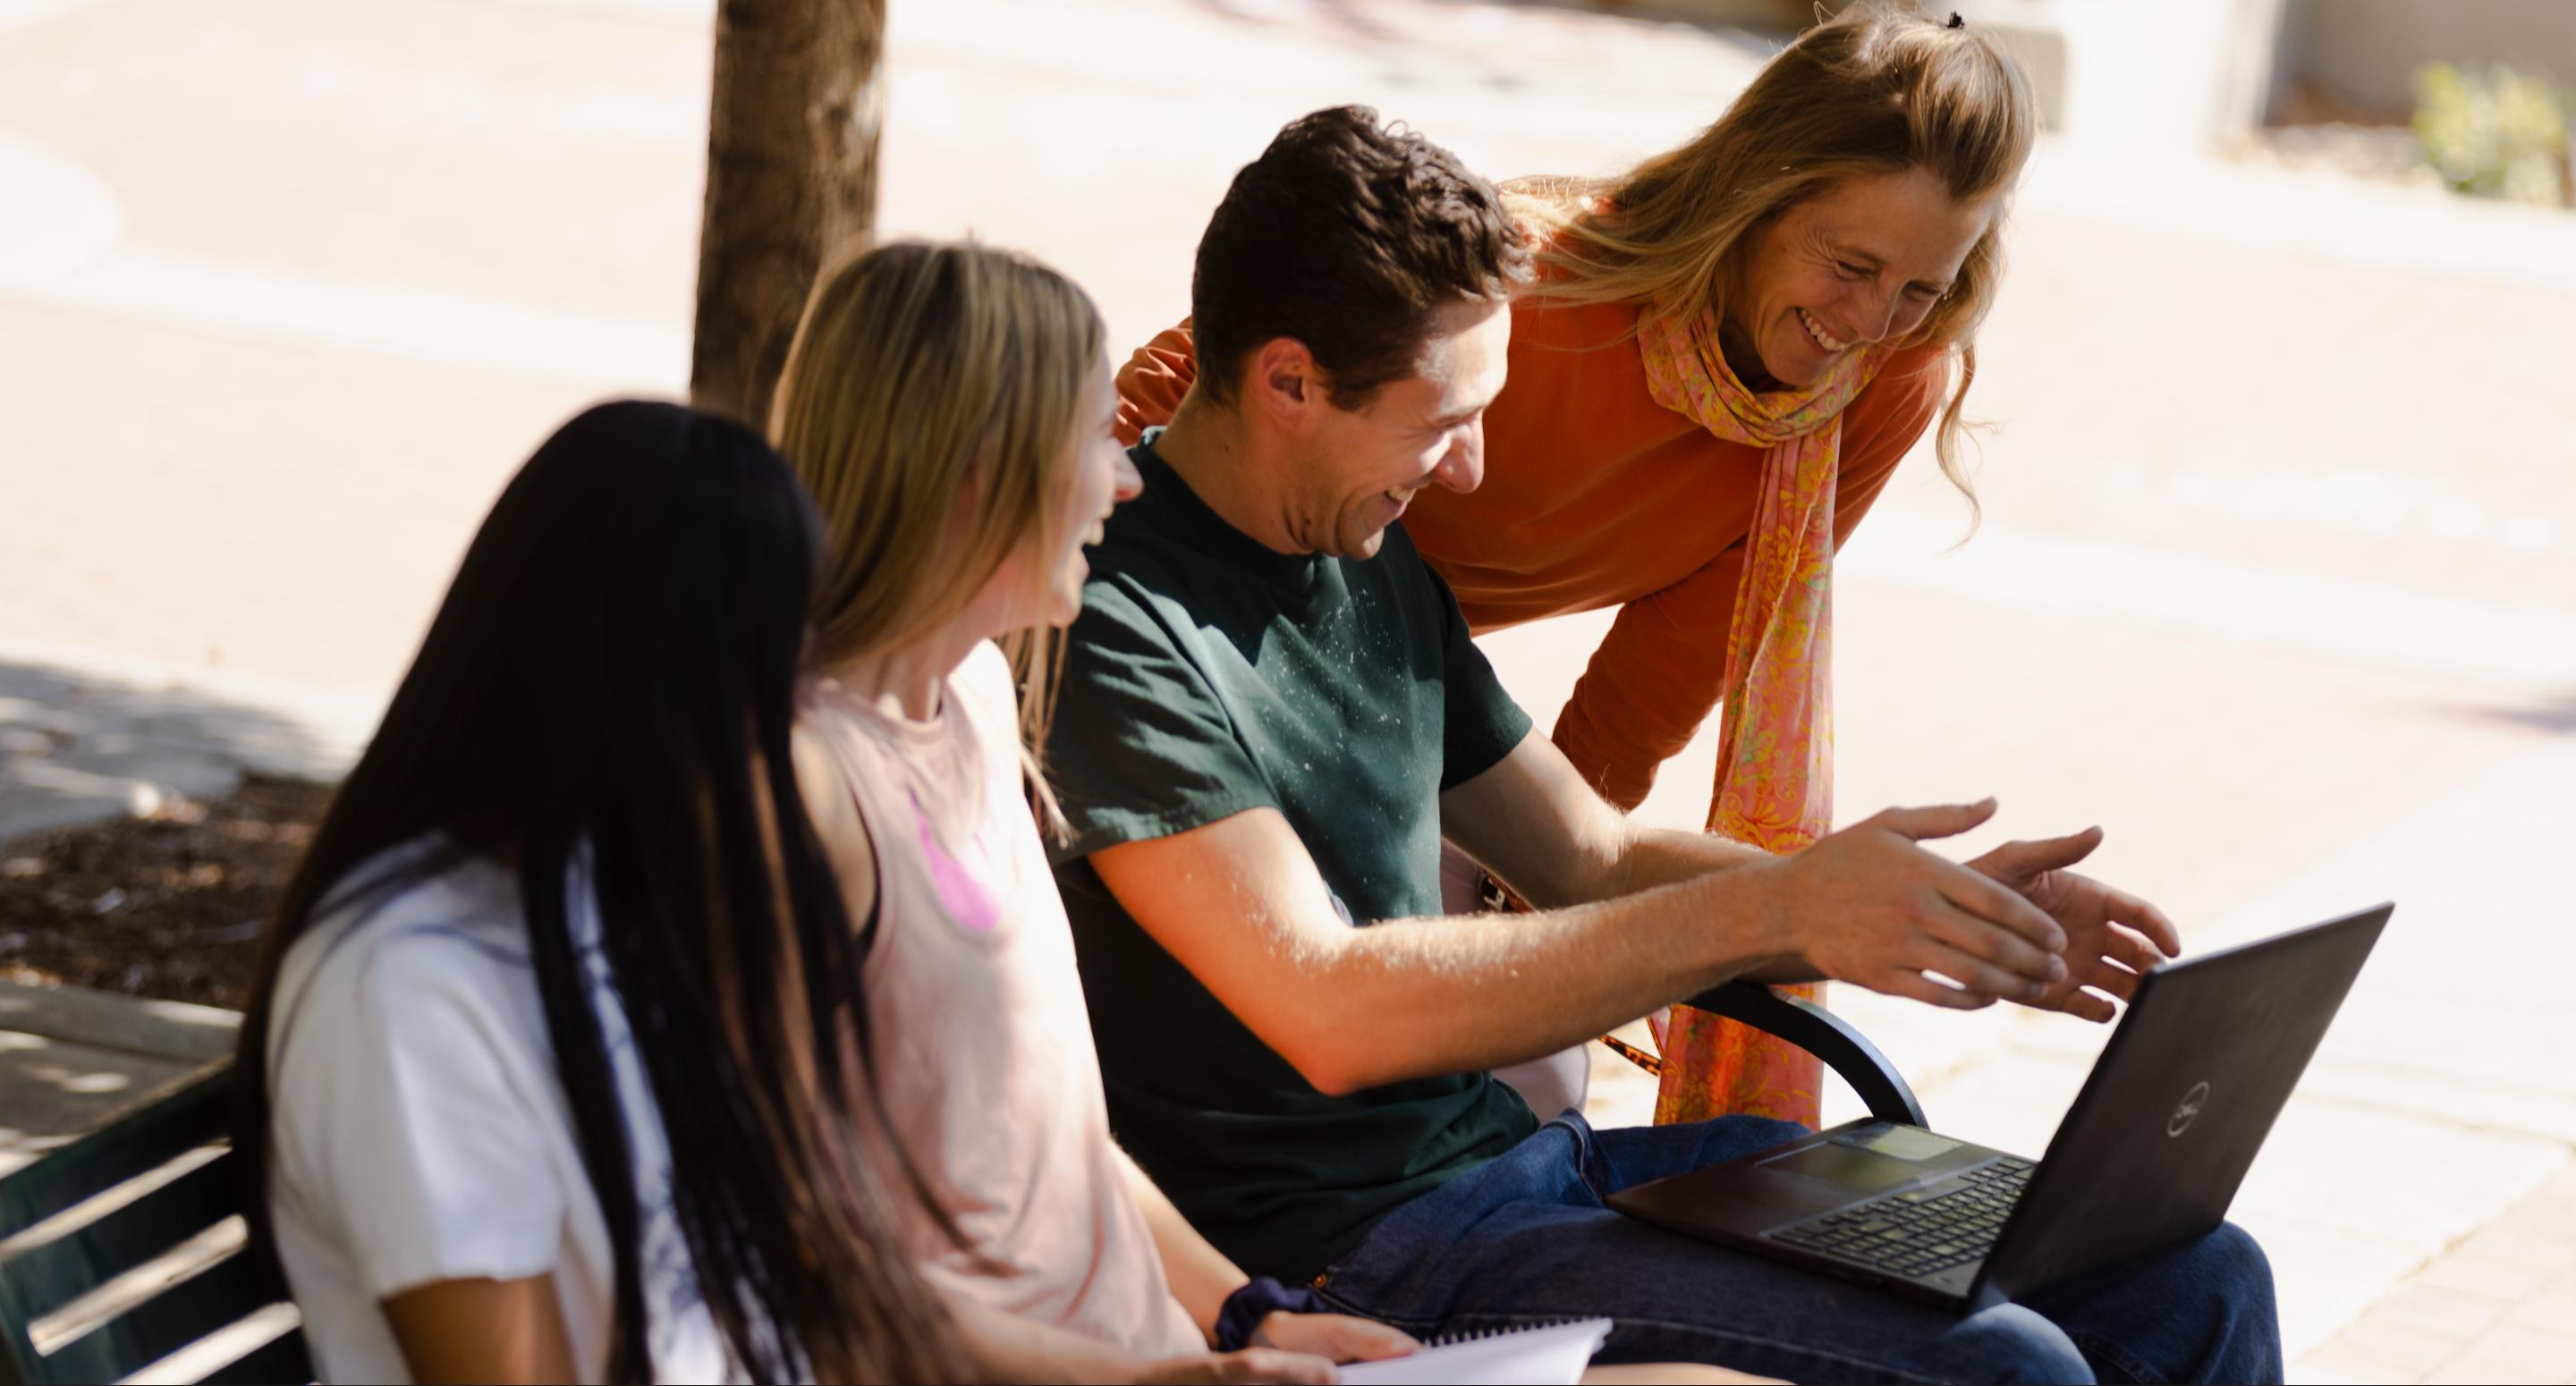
x=1919, y=1231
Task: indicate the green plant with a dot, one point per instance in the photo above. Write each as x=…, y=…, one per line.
x=2503, y=134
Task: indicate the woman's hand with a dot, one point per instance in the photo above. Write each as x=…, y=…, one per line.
x=1333, y=1337
x=1251, y=1364
x=2111, y=935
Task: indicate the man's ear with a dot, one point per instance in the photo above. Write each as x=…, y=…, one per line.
x=1285, y=380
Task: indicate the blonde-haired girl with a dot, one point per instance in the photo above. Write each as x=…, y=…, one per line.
x=949, y=407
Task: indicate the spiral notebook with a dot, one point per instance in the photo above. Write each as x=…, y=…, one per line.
x=1551, y=1355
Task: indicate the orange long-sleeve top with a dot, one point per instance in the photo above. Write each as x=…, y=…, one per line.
x=1594, y=496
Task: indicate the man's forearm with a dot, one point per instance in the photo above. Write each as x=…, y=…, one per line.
x=1661, y=856
x=1240, y=904
x=1418, y=997
x=1643, y=859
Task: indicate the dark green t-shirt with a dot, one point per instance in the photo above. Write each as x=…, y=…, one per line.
x=1207, y=676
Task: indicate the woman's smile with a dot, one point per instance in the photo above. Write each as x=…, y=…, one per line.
x=1816, y=331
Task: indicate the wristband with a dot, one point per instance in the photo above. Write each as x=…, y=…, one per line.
x=1257, y=1299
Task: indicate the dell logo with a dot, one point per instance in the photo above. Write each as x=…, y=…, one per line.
x=2189, y=1111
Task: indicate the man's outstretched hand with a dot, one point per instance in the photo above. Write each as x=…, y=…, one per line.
x=2111, y=935
x=1871, y=906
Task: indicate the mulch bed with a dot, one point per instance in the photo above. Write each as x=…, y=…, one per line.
x=168, y=906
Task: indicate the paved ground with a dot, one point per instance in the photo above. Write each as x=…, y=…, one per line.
x=86, y=734
x=70, y=1059
x=2495, y=1308
x=2275, y=580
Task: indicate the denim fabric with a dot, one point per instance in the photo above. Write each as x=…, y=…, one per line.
x=1525, y=1238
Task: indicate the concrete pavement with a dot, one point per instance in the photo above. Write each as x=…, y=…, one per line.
x=72, y=1059
x=87, y=733
x=2275, y=583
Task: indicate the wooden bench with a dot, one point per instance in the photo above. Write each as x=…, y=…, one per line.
x=122, y=1254
x=122, y=1257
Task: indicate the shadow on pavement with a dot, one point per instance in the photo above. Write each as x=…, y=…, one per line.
x=77, y=746
x=2553, y=714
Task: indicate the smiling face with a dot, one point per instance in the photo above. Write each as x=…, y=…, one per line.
x=1361, y=467
x=1094, y=476
x=1859, y=263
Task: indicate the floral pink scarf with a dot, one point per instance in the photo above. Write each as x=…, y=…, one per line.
x=1775, y=750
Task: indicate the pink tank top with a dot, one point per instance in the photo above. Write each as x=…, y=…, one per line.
x=983, y=1044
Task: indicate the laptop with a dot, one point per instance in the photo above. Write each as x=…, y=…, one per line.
x=2150, y=1155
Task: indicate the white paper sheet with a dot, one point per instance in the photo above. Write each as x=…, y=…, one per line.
x=1552, y=1356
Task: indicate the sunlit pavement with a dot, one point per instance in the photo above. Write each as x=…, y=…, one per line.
x=2274, y=581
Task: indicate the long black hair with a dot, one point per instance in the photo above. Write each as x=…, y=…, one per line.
x=613, y=675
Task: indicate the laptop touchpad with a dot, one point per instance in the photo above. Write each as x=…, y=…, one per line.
x=1853, y=1169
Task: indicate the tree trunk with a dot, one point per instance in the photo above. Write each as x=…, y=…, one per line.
x=791, y=182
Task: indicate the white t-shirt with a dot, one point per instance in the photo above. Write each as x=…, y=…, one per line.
x=421, y=1134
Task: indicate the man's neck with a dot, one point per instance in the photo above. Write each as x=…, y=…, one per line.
x=1232, y=468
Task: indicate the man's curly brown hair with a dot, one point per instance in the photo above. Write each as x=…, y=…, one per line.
x=1347, y=235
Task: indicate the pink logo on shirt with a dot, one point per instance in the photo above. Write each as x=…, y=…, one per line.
x=960, y=894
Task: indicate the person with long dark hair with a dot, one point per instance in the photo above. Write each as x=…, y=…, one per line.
x=556, y=1065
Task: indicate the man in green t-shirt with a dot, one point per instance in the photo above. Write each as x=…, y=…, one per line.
x=1270, y=718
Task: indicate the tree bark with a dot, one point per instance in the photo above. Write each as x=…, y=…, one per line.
x=791, y=182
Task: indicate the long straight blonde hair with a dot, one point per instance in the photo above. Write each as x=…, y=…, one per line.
x=1879, y=88
x=926, y=404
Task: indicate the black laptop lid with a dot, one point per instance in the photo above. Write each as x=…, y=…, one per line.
x=2156, y=1144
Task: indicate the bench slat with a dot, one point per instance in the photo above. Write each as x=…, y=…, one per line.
x=283, y=1359
x=49, y=1272
x=103, y=1159
x=216, y=1297
x=44, y=1279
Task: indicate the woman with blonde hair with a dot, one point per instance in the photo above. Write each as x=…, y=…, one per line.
x=949, y=407
x=1728, y=350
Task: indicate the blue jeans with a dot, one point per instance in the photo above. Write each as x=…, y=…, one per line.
x=1525, y=1238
